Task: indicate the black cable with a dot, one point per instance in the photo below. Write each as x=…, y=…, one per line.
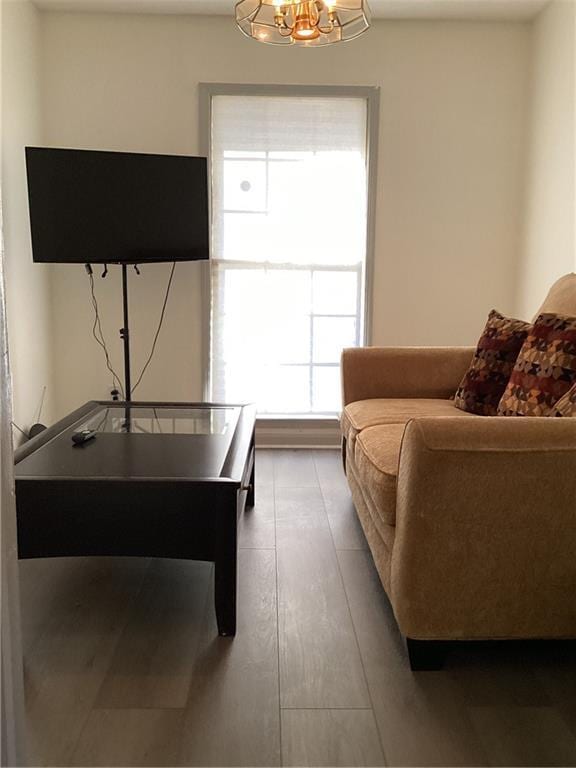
x=154, y=411
x=102, y=421
x=102, y=341
x=41, y=405
x=26, y=435
x=151, y=355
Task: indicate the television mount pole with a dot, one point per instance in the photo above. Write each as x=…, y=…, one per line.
x=125, y=336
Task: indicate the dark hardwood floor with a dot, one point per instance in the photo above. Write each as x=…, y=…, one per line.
x=124, y=667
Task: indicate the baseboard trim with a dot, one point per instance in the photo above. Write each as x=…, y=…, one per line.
x=297, y=433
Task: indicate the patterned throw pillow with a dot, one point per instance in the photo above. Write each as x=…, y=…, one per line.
x=566, y=406
x=484, y=383
x=545, y=370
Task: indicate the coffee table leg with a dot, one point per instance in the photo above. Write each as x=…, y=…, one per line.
x=225, y=598
x=225, y=579
x=251, y=495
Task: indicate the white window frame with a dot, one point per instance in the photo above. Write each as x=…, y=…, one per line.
x=371, y=94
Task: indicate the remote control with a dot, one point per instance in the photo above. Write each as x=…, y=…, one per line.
x=79, y=438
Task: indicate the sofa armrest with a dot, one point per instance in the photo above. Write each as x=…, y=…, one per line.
x=370, y=372
x=485, y=540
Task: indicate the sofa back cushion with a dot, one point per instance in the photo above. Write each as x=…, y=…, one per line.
x=561, y=298
x=484, y=383
x=545, y=369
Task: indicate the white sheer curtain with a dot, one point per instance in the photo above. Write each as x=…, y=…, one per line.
x=289, y=243
x=12, y=721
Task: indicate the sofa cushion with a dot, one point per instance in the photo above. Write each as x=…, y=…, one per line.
x=561, y=298
x=379, y=411
x=485, y=381
x=566, y=406
x=545, y=369
x=376, y=457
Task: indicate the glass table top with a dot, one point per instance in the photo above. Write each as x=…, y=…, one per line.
x=144, y=441
x=163, y=420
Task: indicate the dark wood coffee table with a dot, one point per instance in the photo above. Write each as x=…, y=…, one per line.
x=159, y=480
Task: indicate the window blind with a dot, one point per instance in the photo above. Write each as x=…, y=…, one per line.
x=289, y=206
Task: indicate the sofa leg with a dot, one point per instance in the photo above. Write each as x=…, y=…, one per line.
x=426, y=655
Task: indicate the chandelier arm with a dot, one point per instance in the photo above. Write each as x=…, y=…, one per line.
x=318, y=7
x=326, y=30
x=281, y=24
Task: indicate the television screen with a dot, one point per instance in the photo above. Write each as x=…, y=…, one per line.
x=116, y=207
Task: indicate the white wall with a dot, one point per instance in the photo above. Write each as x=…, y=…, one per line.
x=452, y=143
x=27, y=284
x=550, y=229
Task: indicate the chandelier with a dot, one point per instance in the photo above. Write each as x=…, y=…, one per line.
x=308, y=23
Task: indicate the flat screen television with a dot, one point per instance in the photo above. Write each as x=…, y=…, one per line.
x=93, y=207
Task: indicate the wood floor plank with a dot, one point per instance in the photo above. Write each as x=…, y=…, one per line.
x=319, y=660
x=496, y=675
x=294, y=469
x=264, y=467
x=232, y=716
x=525, y=736
x=329, y=470
x=65, y=668
x=130, y=737
x=421, y=717
x=346, y=529
x=155, y=654
x=344, y=524
x=330, y=737
x=256, y=527
x=557, y=675
x=45, y=586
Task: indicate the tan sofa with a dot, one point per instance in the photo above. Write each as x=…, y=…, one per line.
x=471, y=520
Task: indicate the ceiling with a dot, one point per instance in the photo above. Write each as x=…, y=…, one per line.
x=384, y=9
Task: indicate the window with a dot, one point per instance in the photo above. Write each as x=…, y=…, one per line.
x=289, y=230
